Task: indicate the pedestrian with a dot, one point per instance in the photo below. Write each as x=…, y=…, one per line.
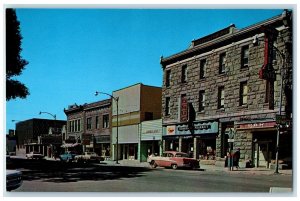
x=236, y=158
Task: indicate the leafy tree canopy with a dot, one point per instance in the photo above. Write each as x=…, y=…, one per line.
x=15, y=64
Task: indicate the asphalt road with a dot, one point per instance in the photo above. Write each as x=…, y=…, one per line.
x=50, y=176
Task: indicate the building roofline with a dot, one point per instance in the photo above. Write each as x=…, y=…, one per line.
x=237, y=33
x=135, y=85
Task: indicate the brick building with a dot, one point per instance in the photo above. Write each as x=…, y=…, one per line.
x=223, y=93
x=89, y=127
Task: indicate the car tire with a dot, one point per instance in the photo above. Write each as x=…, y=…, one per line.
x=153, y=164
x=174, y=166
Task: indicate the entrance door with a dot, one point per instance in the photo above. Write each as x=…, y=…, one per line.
x=262, y=154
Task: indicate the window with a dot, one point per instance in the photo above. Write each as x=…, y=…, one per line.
x=243, y=93
x=167, y=109
x=168, y=78
x=89, y=123
x=78, y=125
x=97, y=122
x=221, y=97
x=75, y=126
x=201, y=100
x=245, y=56
x=222, y=63
x=184, y=74
x=105, y=121
x=202, y=68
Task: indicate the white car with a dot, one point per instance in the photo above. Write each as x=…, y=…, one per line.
x=34, y=155
x=13, y=179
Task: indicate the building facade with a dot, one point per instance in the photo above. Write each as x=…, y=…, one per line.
x=136, y=103
x=89, y=127
x=224, y=92
x=30, y=132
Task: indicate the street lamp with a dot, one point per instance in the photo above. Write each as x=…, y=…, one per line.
x=54, y=116
x=117, y=103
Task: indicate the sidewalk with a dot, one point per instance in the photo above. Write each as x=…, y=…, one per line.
x=208, y=168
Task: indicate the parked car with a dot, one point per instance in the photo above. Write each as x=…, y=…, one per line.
x=13, y=179
x=173, y=159
x=67, y=156
x=89, y=157
x=34, y=155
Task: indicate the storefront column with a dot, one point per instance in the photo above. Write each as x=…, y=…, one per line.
x=196, y=149
x=180, y=144
x=164, y=145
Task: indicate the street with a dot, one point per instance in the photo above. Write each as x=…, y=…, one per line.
x=55, y=176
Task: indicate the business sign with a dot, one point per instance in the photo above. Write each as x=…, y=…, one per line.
x=184, y=109
x=257, y=125
x=199, y=128
x=171, y=130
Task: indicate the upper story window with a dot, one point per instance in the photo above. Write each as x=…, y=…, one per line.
x=202, y=68
x=184, y=74
x=167, y=108
x=221, y=97
x=97, y=122
x=89, y=123
x=74, y=125
x=201, y=100
x=243, y=93
x=245, y=57
x=222, y=61
x=105, y=121
x=168, y=78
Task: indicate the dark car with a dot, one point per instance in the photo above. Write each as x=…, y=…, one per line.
x=13, y=179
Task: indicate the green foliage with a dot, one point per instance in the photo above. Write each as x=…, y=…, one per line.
x=15, y=64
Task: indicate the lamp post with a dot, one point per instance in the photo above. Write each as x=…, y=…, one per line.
x=117, y=103
x=54, y=116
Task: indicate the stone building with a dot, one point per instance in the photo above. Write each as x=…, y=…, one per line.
x=89, y=127
x=224, y=93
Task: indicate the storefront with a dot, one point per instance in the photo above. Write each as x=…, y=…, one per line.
x=151, y=135
x=199, y=141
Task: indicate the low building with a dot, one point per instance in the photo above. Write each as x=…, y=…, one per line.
x=89, y=127
x=136, y=103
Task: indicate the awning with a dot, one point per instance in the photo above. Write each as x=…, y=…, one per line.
x=70, y=145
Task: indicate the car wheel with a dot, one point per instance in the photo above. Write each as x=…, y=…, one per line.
x=174, y=166
x=153, y=164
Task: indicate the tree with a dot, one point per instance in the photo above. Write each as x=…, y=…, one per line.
x=15, y=64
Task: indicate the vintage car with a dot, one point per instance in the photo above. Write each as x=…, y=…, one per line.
x=34, y=155
x=67, y=156
x=173, y=159
x=13, y=179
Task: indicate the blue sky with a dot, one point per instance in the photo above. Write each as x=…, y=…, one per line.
x=74, y=52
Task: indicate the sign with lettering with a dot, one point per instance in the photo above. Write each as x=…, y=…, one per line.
x=184, y=109
x=257, y=125
x=199, y=128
